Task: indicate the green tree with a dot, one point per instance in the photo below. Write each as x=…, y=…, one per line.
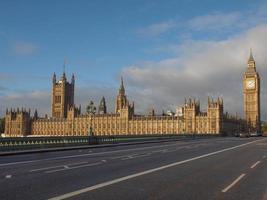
x=264, y=127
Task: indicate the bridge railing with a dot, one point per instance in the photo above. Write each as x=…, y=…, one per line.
x=21, y=143
x=26, y=143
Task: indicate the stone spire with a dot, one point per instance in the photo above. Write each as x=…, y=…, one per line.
x=73, y=79
x=35, y=116
x=102, y=109
x=54, y=78
x=121, y=101
x=122, y=90
x=251, y=58
x=64, y=74
x=251, y=62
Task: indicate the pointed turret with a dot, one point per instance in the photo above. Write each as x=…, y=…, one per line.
x=122, y=90
x=251, y=61
x=80, y=108
x=63, y=77
x=54, y=79
x=121, y=101
x=251, y=58
x=35, y=115
x=102, y=109
x=73, y=79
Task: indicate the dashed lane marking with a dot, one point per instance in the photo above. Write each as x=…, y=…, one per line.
x=76, y=167
x=255, y=164
x=137, y=156
x=8, y=176
x=233, y=183
x=57, y=166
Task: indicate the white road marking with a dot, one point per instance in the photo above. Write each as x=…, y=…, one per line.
x=137, y=156
x=127, y=158
x=255, y=164
x=164, y=151
x=123, y=156
x=103, y=160
x=57, y=166
x=233, y=183
x=157, y=151
x=45, y=168
x=8, y=176
x=101, y=185
x=69, y=168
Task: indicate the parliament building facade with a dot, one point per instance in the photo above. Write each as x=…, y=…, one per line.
x=67, y=119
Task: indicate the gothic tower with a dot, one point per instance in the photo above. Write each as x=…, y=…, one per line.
x=251, y=91
x=102, y=109
x=121, y=101
x=62, y=96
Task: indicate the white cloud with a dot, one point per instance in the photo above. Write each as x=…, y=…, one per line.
x=39, y=100
x=24, y=48
x=214, y=21
x=205, y=68
x=156, y=29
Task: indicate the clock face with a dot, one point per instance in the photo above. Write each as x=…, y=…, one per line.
x=250, y=84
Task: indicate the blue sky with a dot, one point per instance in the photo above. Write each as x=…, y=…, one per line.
x=100, y=40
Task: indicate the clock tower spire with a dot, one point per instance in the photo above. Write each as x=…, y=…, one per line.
x=251, y=92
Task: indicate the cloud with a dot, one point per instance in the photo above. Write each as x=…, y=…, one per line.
x=27, y=99
x=156, y=29
x=214, y=21
x=211, y=23
x=205, y=68
x=24, y=48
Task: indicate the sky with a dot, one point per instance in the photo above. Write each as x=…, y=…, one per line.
x=166, y=51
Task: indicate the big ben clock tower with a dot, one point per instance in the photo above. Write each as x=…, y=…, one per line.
x=251, y=91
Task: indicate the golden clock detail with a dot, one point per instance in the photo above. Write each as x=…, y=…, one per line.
x=250, y=84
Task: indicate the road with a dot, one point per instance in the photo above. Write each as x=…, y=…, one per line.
x=210, y=168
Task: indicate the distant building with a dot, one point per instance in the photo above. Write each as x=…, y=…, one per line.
x=179, y=111
x=251, y=91
x=62, y=96
x=102, y=109
x=67, y=119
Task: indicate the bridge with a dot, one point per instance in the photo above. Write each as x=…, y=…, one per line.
x=207, y=168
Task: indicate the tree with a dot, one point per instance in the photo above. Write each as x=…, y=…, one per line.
x=90, y=108
x=264, y=127
x=2, y=125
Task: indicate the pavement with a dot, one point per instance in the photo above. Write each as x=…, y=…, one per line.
x=211, y=168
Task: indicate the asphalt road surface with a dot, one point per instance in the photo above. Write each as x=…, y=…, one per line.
x=214, y=168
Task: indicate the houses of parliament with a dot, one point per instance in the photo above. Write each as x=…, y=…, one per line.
x=68, y=120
